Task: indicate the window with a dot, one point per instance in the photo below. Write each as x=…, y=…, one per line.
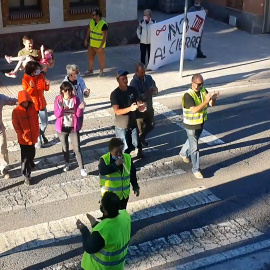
x=25, y=11
x=81, y=9
x=83, y=2
x=236, y=4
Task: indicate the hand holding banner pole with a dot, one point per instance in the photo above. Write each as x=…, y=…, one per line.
x=182, y=56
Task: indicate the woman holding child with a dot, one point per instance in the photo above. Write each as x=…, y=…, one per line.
x=35, y=83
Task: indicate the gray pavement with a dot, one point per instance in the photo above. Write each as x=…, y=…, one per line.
x=179, y=222
x=233, y=57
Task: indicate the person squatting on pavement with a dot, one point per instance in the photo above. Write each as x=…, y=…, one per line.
x=194, y=104
x=105, y=248
x=124, y=101
x=117, y=171
x=197, y=7
x=96, y=37
x=146, y=87
x=4, y=160
x=144, y=34
x=35, y=83
x=25, y=123
x=68, y=110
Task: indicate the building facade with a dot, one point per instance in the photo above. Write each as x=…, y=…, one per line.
x=252, y=16
x=62, y=24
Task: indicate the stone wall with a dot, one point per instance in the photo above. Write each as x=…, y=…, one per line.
x=250, y=22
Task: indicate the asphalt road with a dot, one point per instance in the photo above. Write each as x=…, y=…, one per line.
x=236, y=172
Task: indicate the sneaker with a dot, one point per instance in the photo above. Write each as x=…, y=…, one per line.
x=66, y=167
x=144, y=142
x=5, y=173
x=201, y=55
x=88, y=72
x=27, y=181
x=83, y=173
x=185, y=159
x=101, y=74
x=198, y=175
x=11, y=74
x=8, y=58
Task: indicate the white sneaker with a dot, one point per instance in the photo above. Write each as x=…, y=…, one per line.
x=66, y=167
x=83, y=173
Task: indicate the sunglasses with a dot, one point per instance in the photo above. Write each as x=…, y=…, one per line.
x=65, y=90
x=199, y=84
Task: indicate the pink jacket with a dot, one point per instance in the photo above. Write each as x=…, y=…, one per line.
x=59, y=114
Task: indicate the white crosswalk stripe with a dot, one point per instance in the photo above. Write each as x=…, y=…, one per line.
x=205, y=137
x=97, y=112
x=53, y=231
x=25, y=197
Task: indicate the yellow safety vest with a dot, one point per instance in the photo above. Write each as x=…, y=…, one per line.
x=116, y=182
x=191, y=118
x=96, y=34
x=116, y=235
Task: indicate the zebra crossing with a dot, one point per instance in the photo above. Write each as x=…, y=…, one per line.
x=167, y=251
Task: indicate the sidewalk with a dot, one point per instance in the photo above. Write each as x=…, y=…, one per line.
x=233, y=58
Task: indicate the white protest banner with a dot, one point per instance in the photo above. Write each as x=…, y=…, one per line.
x=166, y=39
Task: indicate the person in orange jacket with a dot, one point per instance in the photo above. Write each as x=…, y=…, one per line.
x=25, y=123
x=35, y=83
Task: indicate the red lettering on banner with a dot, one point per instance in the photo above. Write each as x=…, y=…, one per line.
x=163, y=29
x=197, y=24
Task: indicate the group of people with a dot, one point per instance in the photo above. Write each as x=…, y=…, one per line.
x=107, y=245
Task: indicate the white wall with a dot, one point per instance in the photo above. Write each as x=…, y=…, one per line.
x=121, y=10
x=117, y=10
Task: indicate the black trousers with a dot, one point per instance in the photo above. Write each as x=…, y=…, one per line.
x=28, y=153
x=145, y=48
x=123, y=203
x=146, y=123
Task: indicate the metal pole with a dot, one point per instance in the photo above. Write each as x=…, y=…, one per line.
x=182, y=56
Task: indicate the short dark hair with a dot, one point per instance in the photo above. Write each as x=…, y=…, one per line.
x=66, y=86
x=139, y=65
x=115, y=142
x=111, y=202
x=98, y=12
x=31, y=66
x=26, y=37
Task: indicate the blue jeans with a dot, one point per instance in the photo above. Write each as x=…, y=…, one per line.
x=43, y=116
x=191, y=149
x=129, y=136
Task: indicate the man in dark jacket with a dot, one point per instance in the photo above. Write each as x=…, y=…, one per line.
x=197, y=7
x=146, y=87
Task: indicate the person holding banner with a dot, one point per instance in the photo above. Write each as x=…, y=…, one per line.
x=194, y=104
x=197, y=7
x=144, y=34
x=146, y=87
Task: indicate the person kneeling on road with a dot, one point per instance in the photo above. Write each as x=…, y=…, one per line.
x=106, y=247
x=117, y=171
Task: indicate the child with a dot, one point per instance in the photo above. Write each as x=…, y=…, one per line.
x=25, y=123
x=4, y=100
x=47, y=61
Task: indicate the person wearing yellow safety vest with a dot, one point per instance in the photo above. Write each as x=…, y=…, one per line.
x=95, y=40
x=194, y=104
x=117, y=171
x=106, y=247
